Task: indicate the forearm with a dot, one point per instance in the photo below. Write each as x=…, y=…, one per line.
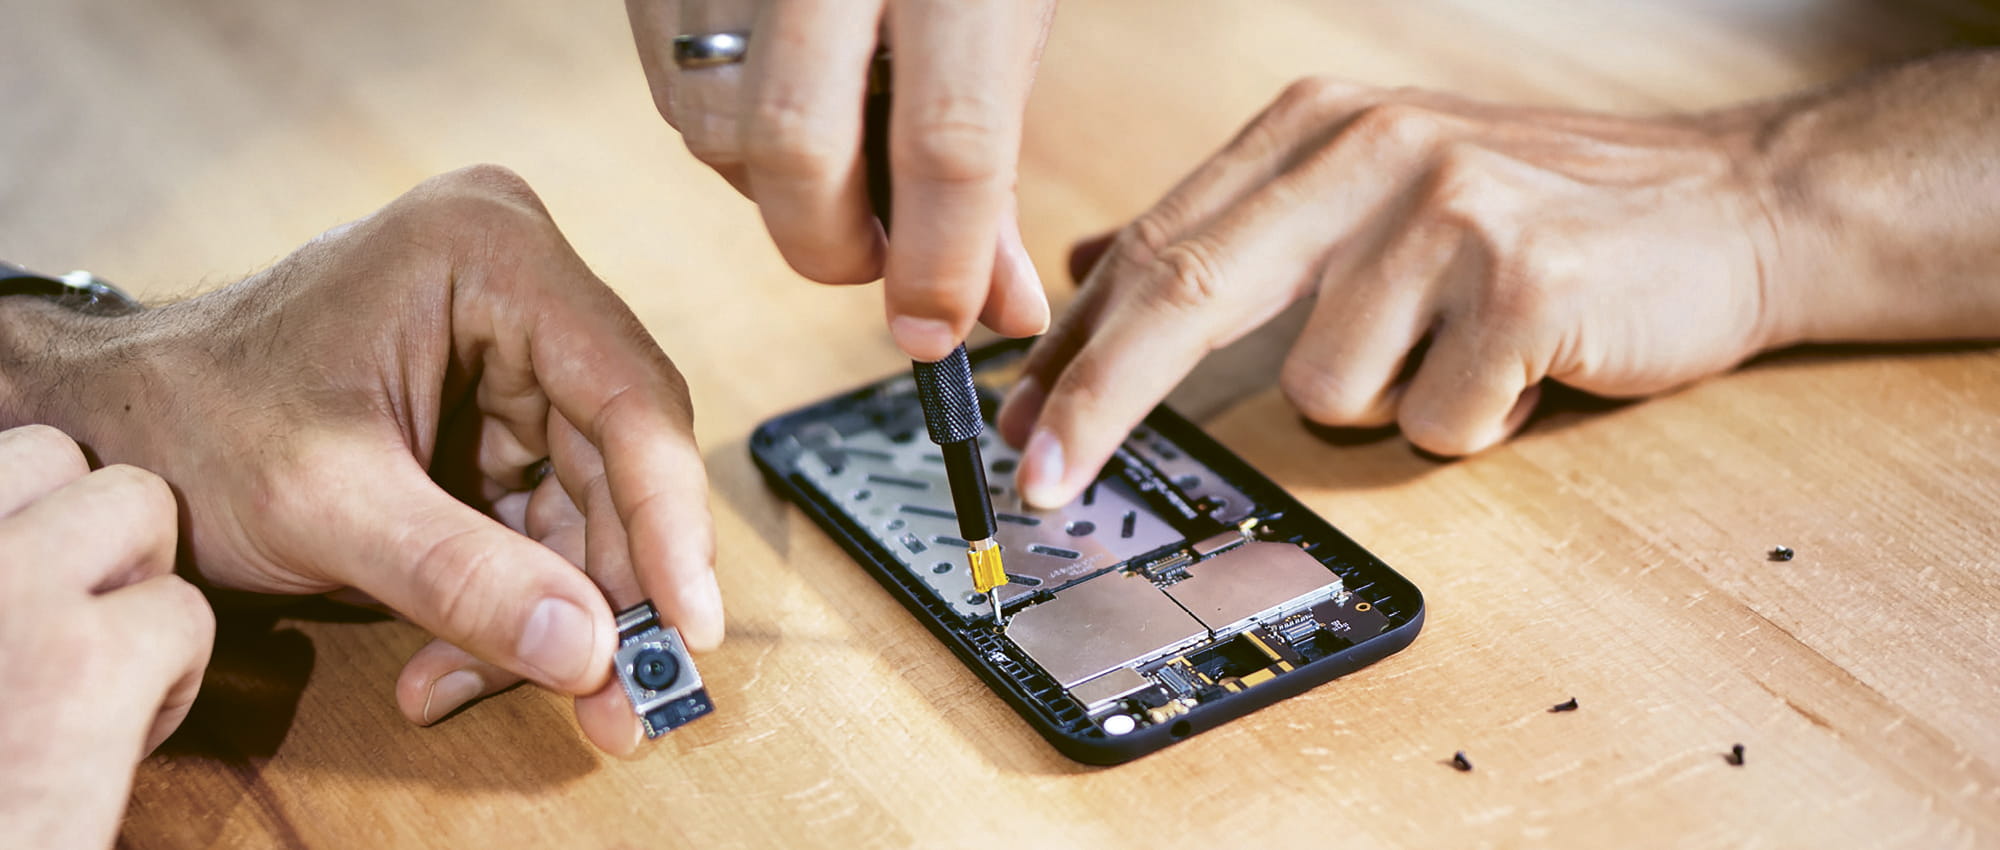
x=1884, y=194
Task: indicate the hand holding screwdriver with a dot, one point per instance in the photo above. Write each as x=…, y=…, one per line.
x=775, y=112
x=950, y=400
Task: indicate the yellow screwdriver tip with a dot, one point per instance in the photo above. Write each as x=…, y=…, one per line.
x=987, y=571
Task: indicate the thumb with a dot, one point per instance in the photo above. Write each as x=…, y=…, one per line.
x=469, y=580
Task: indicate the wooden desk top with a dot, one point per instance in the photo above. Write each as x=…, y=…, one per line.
x=1616, y=555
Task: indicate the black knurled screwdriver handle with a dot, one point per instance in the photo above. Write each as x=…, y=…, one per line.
x=951, y=402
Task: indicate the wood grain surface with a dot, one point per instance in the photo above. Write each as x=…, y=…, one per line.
x=1614, y=554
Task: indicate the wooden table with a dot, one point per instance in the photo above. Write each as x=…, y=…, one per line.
x=1614, y=555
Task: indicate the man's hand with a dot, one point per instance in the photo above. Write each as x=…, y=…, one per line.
x=784, y=127
x=101, y=645
x=1461, y=253
x=366, y=414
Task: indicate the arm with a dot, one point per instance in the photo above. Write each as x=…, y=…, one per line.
x=49, y=357
x=1886, y=190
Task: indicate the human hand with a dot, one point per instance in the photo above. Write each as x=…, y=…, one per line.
x=784, y=127
x=1460, y=252
x=365, y=414
x=101, y=645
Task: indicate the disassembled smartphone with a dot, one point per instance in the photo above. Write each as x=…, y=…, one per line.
x=1182, y=589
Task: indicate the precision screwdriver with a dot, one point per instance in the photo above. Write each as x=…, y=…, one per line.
x=945, y=388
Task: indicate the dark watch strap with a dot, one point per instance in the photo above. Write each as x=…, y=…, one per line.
x=78, y=290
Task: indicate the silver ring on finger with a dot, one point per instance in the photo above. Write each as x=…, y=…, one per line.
x=710, y=50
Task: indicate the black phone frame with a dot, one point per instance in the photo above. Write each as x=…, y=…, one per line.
x=1034, y=696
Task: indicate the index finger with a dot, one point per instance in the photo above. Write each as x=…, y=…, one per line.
x=1112, y=376
x=802, y=137
x=604, y=373
x=962, y=71
x=1148, y=316
x=634, y=408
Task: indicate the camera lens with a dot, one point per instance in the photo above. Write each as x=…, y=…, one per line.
x=655, y=669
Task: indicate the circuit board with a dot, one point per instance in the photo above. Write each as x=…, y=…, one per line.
x=1182, y=589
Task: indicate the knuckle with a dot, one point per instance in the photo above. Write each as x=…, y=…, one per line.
x=1305, y=90
x=713, y=149
x=1302, y=104
x=1158, y=228
x=1188, y=277
x=794, y=156
x=1141, y=242
x=619, y=406
x=1525, y=263
x=189, y=607
x=1320, y=393
x=138, y=493
x=1463, y=194
x=956, y=140
x=48, y=445
x=788, y=138
x=1396, y=124
x=1314, y=95
x=39, y=438
x=1467, y=191
x=495, y=181
x=449, y=573
x=1128, y=260
x=710, y=120
x=1461, y=184
x=479, y=201
x=1525, y=282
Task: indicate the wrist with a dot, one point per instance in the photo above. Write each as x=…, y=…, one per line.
x=79, y=373
x=1884, y=212
x=1767, y=225
x=1808, y=268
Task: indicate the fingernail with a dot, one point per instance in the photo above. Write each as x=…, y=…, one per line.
x=702, y=600
x=924, y=339
x=712, y=596
x=556, y=642
x=450, y=692
x=1042, y=470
